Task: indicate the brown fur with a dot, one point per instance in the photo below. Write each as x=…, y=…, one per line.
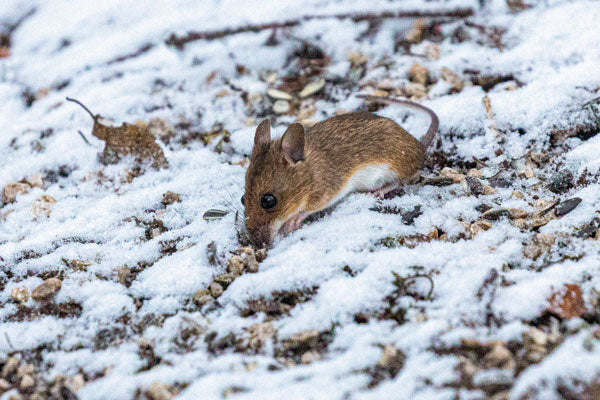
x=334, y=150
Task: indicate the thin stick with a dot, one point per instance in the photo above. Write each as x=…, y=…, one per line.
x=8, y=341
x=180, y=41
x=84, y=138
x=83, y=106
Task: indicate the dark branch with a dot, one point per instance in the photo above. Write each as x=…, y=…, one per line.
x=94, y=117
x=180, y=41
x=84, y=138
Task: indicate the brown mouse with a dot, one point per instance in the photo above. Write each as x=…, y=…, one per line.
x=306, y=171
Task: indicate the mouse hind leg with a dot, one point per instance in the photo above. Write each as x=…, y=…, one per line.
x=403, y=172
x=387, y=188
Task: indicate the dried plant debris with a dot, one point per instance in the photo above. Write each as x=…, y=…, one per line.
x=278, y=304
x=126, y=140
x=388, y=366
x=305, y=346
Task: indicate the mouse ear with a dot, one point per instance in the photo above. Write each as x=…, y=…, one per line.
x=263, y=133
x=292, y=143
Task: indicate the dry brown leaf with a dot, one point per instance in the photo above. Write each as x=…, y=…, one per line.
x=126, y=140
x=567, y=303
x=12, y=190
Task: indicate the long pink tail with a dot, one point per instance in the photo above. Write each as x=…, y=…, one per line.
x=427, y=139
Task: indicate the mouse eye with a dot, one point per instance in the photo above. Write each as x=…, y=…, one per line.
x=268, y=201
x=242, y=200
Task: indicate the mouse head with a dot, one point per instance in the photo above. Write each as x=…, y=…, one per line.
x=277, y=182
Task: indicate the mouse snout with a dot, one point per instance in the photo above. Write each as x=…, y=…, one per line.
x=260, y=237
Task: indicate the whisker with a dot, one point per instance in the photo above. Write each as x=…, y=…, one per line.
x=234, y=202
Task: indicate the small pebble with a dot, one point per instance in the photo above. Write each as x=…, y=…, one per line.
x=235, y=265
x=414, y=90
x=488, y=190
x=496, y=213
x=27, y=382
x=75, y=383
x=202, y=297
x=20, y=295
x=123, y=274
x=160, y=391
x=309, y=357
x=479, y=226
x=224, y=279
x=456, y=176
x=4, y=385
x=10, y=366
x=46, y=290
x=418, y=74
x=215, y=289
x=386, y=84
x=474, y=185
x=25, y=369
x=251, y=263
x=281, y=107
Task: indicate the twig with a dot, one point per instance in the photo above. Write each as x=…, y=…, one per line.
x=494, y=175
x=84, y=107
x=8, y=341
x=84, y=138
x=478, y=161
x=400, y=283
x=180, y=41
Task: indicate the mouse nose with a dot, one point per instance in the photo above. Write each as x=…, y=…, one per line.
x=260, y=237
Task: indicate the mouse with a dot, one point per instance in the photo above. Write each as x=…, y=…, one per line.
x=307, y=170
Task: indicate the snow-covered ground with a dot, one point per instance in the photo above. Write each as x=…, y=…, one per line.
x=464, y=298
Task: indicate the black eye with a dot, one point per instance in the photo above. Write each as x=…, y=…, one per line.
x=242, y=200
x=268, y=201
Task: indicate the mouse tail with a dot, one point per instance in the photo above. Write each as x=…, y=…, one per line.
x=427, y=139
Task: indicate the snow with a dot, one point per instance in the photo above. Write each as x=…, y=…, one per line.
x=101, y=217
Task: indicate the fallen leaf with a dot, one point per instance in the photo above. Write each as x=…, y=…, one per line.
x=125, y=140
x=12, y=190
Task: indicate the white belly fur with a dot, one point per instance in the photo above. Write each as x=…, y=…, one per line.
x=367, y=179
